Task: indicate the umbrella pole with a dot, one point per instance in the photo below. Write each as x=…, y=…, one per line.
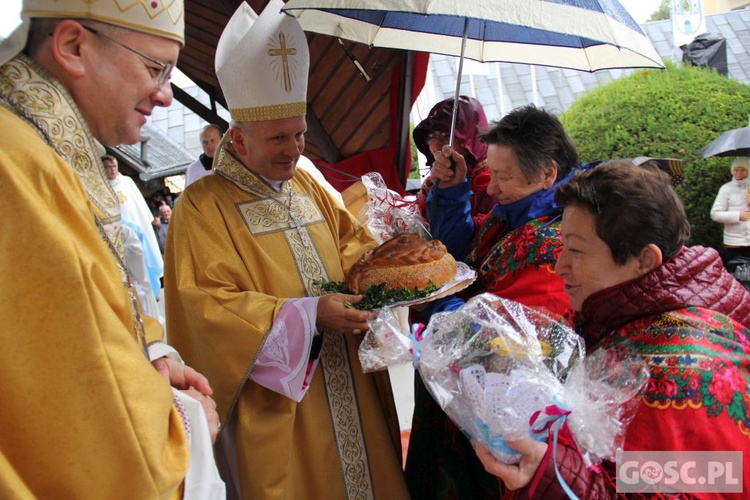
x=433, y=208
x=458, y=82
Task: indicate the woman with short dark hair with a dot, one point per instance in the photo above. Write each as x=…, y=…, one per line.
x=635, y=286
x=513, y=250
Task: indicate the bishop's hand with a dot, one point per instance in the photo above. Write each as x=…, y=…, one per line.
x=334, y=314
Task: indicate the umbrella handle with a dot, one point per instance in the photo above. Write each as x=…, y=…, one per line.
x=436, y=186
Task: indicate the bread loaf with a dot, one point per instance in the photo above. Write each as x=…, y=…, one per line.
x=406, y=261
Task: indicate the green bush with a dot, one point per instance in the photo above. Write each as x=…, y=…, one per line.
x=666, y=114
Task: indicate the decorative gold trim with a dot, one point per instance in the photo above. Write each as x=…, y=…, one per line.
x=55, y=116
x=118, y=22
x=145, y=21
x=265, y=113
x=345, y=412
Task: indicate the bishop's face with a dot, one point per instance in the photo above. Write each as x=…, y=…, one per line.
x=271, y=148
x=111, y=62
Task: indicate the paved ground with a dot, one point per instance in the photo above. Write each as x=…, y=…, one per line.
x=402, y=380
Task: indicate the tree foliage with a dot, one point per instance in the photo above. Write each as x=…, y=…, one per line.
x=664, y=12
x=666, y=114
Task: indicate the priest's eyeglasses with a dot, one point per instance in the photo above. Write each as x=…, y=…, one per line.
x=161, y=74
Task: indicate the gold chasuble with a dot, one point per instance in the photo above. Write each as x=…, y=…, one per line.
x=84, y=414
x=236, y=251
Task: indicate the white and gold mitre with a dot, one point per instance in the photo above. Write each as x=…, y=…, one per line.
x=165, y=18
x=262, y=64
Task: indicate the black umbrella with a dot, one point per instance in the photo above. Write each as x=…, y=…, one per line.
x=731, y=143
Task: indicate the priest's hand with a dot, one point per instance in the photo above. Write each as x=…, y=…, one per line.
x=518, y=475
x=182, y=376
x=209, y=408
x=442, y=168
x=333, y=314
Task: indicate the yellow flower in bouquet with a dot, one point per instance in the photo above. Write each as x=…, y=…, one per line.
x=502, y=348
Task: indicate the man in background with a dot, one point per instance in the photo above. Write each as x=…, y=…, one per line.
x=165, y=213
x=210, y=138
x=134, y=211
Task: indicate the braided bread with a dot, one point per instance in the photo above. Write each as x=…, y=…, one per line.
x=406, y=261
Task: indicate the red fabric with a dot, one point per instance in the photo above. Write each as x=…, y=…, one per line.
x=380, y=160
x=696, y=398
x=693, y=277
x=520, y=265
x=539, y=288
x=383, y=160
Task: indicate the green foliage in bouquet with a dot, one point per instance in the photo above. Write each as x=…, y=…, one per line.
x=377, y=296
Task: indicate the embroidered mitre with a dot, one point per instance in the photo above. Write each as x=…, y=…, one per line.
x=262, y=63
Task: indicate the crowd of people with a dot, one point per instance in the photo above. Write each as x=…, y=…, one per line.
x=259, y=392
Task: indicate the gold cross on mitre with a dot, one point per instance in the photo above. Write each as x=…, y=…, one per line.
x=284, y=52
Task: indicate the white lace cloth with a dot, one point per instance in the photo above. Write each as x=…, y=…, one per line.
x=502, y=404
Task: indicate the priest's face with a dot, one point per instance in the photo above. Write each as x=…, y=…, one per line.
x=210, y=138
x=110, y=167
x=122, y=78
x=271, y=148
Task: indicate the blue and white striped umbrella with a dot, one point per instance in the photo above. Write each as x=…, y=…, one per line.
x=586, y=35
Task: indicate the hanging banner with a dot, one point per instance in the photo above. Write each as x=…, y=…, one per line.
x=688, y=21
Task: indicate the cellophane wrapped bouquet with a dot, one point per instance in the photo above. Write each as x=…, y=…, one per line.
x=389, y=214
x=502, y=371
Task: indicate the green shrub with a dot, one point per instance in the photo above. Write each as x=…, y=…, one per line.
x=666, y=114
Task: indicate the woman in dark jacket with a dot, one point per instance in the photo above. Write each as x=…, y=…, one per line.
x=633, y=284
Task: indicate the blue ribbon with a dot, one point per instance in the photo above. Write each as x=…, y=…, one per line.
x=494, y=441
x=555, y=419
x=589, y=166
x=498, y=441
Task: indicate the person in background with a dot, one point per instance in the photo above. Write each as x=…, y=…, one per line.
x=85, y=413
x=634, y=285
x=136, y=262
x=165, y=214
x=245, y=253
x=433, y=133
x=732, y=209
x=513, y=250
x=210, y=137
x=134, y=210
